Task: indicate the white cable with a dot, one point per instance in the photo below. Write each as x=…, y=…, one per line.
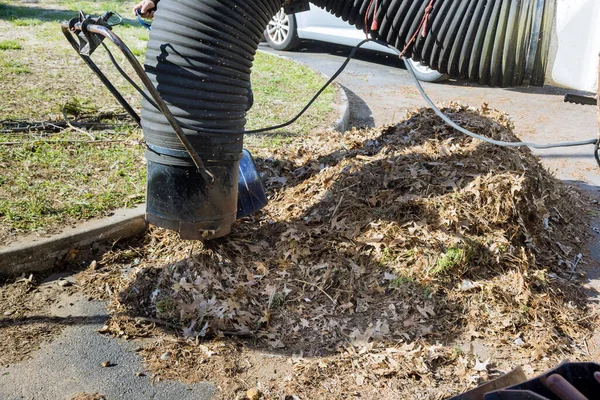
x=486, y=139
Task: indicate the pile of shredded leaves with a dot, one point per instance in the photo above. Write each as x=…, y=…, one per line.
x=402, y=262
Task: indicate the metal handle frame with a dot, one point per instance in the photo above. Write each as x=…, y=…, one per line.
x=104, y=31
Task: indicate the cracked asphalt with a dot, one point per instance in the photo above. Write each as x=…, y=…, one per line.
x=72, y=364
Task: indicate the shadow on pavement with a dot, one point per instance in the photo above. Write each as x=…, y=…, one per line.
x=87, y=320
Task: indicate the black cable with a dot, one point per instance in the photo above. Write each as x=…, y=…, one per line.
x=325, y=86
x=352, y=53
x=128, y=78
x=503, y=143
x=260, y=130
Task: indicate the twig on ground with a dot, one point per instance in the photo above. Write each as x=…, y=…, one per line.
x=320, y=289
x=157, y=321
x=337, y=207
x=24, y=127
x=64, y=113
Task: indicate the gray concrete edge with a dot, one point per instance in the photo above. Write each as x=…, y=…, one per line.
x=343, y=108
x=36, y=254
x=342, y=105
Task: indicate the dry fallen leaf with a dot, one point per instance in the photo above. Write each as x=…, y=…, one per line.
x=481, y=365
x=253, y=394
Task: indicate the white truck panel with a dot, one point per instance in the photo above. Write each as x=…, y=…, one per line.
x=576, y=45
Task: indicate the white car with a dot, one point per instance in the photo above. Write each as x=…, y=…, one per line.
x=285, y=32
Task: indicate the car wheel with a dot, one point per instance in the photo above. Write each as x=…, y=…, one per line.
x=281, y=32
x=426, y=74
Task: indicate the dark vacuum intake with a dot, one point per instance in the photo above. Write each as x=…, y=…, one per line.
x=200, y=56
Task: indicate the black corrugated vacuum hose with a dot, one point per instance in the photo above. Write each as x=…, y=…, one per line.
x=493, y=42
x=199, y=58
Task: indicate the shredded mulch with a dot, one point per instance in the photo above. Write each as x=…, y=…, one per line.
x=402, y=262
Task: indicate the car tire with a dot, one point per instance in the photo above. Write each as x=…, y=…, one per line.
x=281, y=32
x=426, y=74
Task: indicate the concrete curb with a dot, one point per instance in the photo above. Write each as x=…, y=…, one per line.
x=341, y=125
x=34, y=254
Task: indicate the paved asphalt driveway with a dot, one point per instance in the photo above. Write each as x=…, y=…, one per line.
x=72, y=363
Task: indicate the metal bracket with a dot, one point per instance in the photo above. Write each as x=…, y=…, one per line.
x=89, y=42
x=87, y=27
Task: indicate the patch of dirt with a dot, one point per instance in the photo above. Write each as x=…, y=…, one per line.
x=26, y=320
x=403, y=262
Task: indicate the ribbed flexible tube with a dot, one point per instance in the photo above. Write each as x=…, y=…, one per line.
x=492, y=42
x=199, y=58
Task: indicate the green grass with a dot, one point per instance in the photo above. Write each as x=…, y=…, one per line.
x=45, y=183
x=402, y=281
x=448, y=261
x=165, y=305
x=281, y=89
x=138, y=52
x=13, y=67
x=10, y=45
x=27, y=22
x=78, y=107
x=17, y=11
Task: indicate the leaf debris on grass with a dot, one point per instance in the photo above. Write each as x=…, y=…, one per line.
x=356, y=269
